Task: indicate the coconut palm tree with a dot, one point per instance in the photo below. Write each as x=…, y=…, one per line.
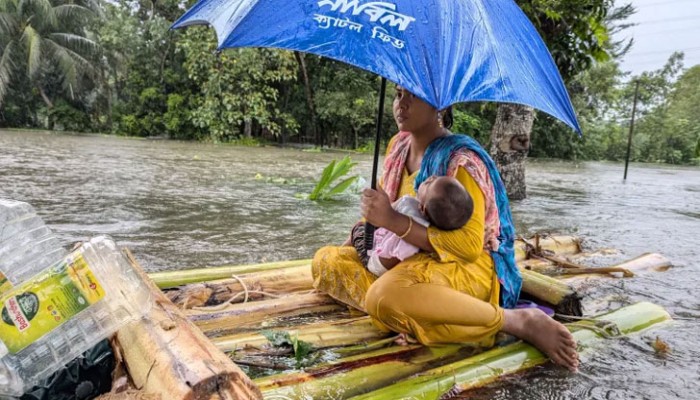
x=42, y=36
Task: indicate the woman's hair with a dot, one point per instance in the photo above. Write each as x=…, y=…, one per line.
x=447, y=117
x=451, y=208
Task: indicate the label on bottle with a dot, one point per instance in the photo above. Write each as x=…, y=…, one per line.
x=46, y=301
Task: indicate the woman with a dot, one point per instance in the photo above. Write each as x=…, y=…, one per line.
x=449, y=292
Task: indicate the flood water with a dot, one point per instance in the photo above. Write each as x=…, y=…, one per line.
x=180, y=205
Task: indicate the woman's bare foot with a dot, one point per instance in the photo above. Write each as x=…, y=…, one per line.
x=549, y=336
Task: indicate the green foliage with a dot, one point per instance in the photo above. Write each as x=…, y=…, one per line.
x=247, y=141
x=117, y=67
x=473, y=120
x=326, y=187
x=45, y=49
x=575, y=31
x=366, y=147
x=69, y=118
x=283, y=339
x=346, y=101
x=239, y=88
x=667, y=127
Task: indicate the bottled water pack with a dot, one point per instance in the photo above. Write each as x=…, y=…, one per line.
x=54, y=306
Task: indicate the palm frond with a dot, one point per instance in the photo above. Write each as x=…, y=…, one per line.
x=71, y=64
x=95, y=6
x=66, y=64
x=73, y=12
x=6, y=68
x=79, y=44
x=46, y=16
x=22, y=5
x=32, y=42
x=84, y=65
x=8, y=24
x=8, y=6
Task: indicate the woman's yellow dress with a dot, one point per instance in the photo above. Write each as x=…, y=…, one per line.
x=449, y=296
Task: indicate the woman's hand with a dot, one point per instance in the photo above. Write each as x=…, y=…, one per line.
x=376, y=208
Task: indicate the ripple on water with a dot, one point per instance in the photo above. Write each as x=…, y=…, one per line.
x=687, y=213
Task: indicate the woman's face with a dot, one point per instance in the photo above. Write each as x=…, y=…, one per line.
x=411, y=113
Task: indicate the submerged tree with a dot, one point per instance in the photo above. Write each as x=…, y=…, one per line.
x=577, y=33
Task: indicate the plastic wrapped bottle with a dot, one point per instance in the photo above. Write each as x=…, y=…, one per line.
x=59, y=312
x=26, y=244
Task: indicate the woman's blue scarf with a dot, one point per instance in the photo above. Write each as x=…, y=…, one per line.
x=435, y=162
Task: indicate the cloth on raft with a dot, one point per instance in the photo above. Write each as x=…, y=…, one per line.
x=357, y=238
x=438, y=160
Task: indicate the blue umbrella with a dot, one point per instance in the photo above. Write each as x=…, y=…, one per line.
x=443, y=51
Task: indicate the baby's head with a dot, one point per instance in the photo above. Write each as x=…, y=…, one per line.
x=445, y=202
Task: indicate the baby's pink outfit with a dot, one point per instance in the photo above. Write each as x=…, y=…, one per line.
x=387, y=244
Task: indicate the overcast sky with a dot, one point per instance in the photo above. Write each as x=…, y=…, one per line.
x=663, y=26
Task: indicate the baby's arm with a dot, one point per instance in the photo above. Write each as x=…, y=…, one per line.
x=389, y=263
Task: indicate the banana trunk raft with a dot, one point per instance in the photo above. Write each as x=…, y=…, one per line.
x=261, y=331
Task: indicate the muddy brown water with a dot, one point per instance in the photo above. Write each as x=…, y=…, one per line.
x=179, y=205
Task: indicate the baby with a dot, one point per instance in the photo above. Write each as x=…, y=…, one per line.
x=441, y=201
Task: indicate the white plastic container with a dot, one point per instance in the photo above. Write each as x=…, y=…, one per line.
x=59, y=312
x=27, y=246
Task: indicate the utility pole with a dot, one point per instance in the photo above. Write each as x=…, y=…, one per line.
x=629, y=139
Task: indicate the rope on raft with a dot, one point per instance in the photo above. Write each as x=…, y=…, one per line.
x=245, y=292
x=535, y=251
x=604, y=328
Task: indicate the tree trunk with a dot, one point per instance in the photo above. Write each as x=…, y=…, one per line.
x=49, y=105
x=309, y=97
x=247, y=128
x=510, y=143
x=108, y=96
x=167, y=356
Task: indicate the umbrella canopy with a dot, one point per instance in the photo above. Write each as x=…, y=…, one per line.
x=443, y=51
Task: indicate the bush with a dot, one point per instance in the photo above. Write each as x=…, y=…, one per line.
x=68, y=118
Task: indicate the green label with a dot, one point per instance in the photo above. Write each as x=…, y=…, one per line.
x=46, y=301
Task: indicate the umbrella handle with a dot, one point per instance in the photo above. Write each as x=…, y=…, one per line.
x=369, y=236
x=369, y=228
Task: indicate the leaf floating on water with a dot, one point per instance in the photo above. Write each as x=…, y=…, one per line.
x=660, y=347
x=326, y=187
x=300, y=348
x=277, y=338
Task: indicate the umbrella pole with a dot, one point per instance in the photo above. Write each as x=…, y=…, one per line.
x=369, y=228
